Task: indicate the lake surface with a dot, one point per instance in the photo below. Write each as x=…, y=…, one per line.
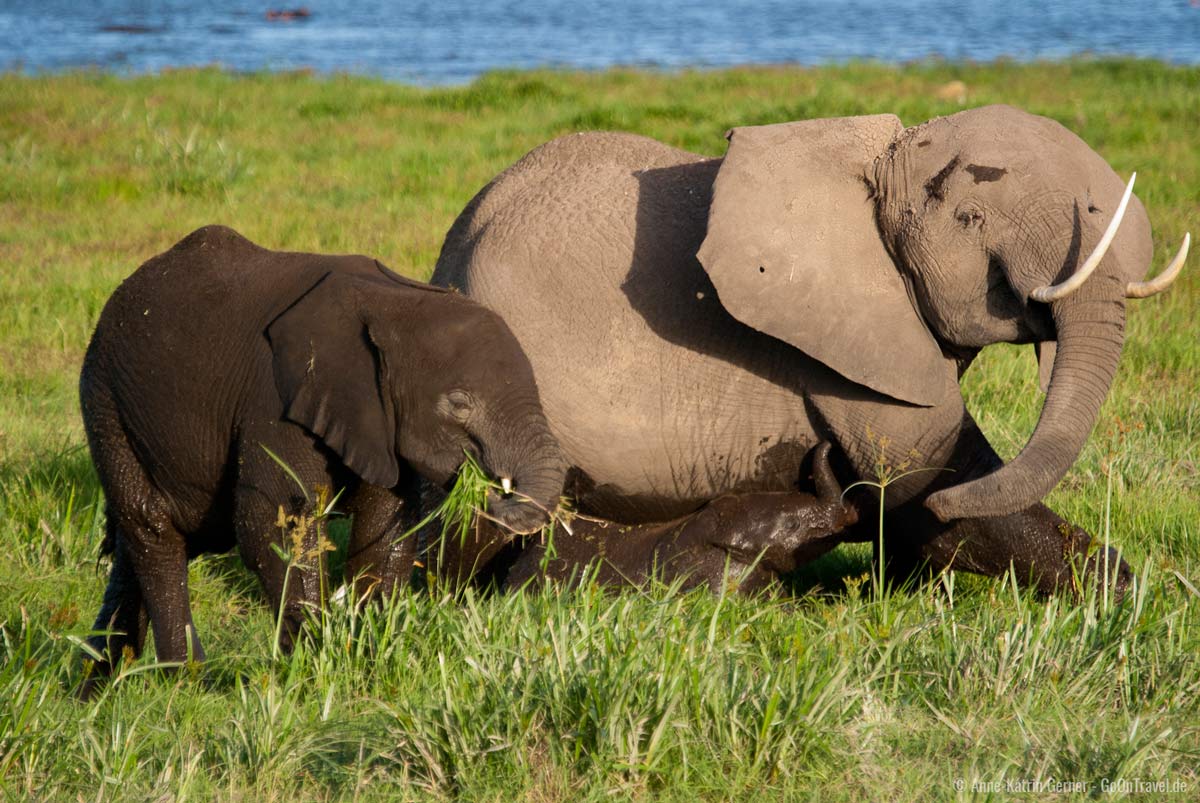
x=453, y=41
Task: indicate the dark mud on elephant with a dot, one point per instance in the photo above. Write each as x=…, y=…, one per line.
x=218, y=363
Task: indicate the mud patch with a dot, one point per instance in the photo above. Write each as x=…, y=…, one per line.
x=936, y=186
x=982, y=173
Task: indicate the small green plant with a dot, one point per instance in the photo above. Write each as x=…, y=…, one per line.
x=885, y=474
x=466, y=500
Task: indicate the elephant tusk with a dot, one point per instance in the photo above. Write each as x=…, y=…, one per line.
x=1048, y=293
x=506, y=484
x=1163, y=280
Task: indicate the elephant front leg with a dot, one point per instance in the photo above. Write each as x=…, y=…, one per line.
x=284, y=545
x=383, y=551
x=280, y=534
x=1046, y=552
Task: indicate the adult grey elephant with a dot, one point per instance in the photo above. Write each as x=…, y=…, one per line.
x=217, y=358
x=696, y=324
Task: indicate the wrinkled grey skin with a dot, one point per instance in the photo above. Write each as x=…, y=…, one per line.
x=358, y=379
x=911, y=250
x=739, y=542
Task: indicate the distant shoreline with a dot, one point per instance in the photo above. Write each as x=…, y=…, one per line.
x=926, y=63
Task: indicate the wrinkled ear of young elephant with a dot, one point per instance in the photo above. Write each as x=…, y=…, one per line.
x=793, y=251
x=329, y=375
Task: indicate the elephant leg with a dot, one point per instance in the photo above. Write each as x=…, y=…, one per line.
x=121, y=623
x=149, y=578
x=1046, y=552
x=380, y=558
x=272, y=512
x=157, y=554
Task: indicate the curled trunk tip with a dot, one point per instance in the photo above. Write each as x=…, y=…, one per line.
x=1088, y=351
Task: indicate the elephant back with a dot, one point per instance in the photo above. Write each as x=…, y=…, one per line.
x=586, y=247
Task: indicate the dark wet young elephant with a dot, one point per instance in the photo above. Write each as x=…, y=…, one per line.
x=738, y=542
x=217, y=351
x=697, y=324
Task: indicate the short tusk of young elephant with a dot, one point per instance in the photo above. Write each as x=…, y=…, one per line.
x=1163, y=280
x=1048, y=293
x=506, y=484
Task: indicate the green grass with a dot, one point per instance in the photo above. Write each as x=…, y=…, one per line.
x=573, y=696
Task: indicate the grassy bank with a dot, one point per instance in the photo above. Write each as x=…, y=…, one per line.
x=547, y=697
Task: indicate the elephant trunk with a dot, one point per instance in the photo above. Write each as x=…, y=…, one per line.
x=537, y=471
x=1090, y=328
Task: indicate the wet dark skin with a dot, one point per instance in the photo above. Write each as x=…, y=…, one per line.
x=217, y=351
x=739, y=541
x=749, y=539
x=742, y=542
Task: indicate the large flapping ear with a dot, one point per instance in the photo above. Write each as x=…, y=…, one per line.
x=329, y=375
x=793, y=251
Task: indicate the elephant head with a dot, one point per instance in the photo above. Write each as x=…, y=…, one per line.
x=385, y=370
x=885, y=252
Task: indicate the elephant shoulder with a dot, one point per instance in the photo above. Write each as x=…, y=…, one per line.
x=200, y=254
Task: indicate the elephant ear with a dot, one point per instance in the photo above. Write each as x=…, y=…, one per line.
x=329, y=375
x=793, y=251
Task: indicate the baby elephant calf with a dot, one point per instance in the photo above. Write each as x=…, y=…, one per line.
x=744, y=541
x=227, y=384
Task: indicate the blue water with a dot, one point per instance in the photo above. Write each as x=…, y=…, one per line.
x=455, y=40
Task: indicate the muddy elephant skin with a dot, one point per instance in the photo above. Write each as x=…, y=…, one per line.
x=737, y=542
x=217, y=357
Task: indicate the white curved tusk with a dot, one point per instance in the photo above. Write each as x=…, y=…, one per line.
x=506, y=484
x=1163, y=280
x=1048, y=293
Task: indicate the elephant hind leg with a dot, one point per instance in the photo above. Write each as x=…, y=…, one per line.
x=1046, y=552
x=157, y=554
x=149, y=573
x=121, y=624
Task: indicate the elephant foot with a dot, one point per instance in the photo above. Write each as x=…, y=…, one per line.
x=1045, y=552
x=1092, y=565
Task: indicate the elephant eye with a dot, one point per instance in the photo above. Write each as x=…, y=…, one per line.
x=969, y=215
x=458, y=404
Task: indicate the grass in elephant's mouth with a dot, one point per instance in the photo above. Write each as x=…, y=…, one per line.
x=464, y=502
x=577, y=696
